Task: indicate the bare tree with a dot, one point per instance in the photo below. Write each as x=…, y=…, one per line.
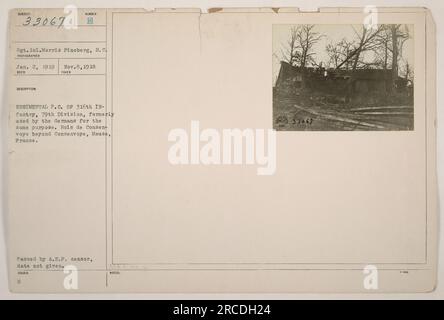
x=307, y=38
x=366, y=40
x=407, y=72
x=400, y=34
x=383, y=52
x=390, y=47
x=298, y=51
x=338, y=53
x=289, y=50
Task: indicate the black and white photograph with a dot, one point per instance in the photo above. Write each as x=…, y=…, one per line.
x=343, y=77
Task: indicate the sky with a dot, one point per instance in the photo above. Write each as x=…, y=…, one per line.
x=333, y=34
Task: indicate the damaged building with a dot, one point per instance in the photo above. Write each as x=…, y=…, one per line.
x=340, y=85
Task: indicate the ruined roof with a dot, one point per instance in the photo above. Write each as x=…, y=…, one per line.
x=359, y=74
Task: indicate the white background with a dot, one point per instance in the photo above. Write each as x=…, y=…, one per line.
x=437, y=8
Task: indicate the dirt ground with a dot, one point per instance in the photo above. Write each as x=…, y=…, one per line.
x=294, y=115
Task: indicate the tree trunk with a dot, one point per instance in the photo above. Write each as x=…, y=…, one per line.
x=394, y=29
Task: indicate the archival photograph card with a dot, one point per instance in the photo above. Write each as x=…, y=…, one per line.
x=238, y=150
